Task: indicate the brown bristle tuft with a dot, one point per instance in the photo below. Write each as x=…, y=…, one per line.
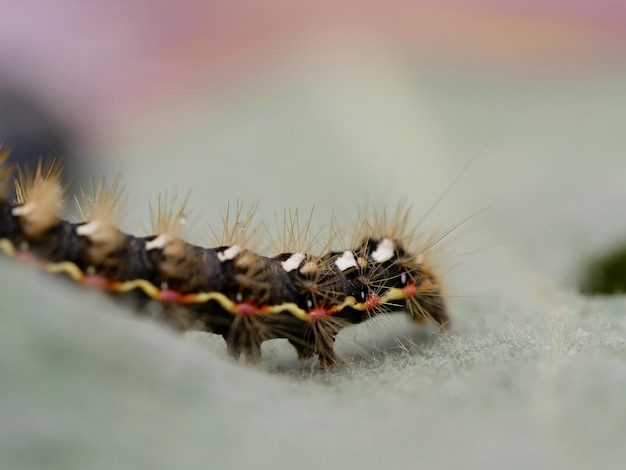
x=237, y=226
x=39, y=197
x=170, y=216
x=101, y=208
x=297, y=236
x=101, y=203
x=5, y=171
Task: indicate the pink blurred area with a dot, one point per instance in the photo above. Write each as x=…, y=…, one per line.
x=96, y=65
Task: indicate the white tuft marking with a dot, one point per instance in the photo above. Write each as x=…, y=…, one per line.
x=346, y=261
x=309, y=304
x=229, y=253
x=384, y=251
x=165, y=286
x=310, y=267
x=238, y=297
x=88, y=229
x=293, y=262
x=24, y=210
x=158, y=243
x=403, y=278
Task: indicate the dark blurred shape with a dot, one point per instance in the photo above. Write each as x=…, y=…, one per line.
x=30, y=132
x=606, y=275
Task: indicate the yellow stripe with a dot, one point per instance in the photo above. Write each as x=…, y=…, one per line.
x=66, y=267
x=7, y=247
x=72, y=270
x=147, y=287
x=392, y=294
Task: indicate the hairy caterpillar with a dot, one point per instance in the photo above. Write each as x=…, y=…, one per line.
x=229, y=290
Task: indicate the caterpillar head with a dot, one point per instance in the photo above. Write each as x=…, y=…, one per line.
x=425, y=299
x=394, y=270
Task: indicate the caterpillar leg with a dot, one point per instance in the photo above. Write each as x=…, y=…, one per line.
x=326, y=354
x=430, y=307
x=245, y=337
x=303, y=351
x=439, y=314
x=318, y=338
x=327, y=358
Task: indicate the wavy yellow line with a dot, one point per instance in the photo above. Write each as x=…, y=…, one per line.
x=74, y=272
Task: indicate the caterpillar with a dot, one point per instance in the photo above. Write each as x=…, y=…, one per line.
x=229, y=290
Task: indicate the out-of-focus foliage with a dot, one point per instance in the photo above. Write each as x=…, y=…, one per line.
x=607, y=274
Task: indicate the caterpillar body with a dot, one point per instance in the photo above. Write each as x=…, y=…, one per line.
x=229, y=290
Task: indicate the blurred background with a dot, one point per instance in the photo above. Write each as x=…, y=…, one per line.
x=107, y=70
